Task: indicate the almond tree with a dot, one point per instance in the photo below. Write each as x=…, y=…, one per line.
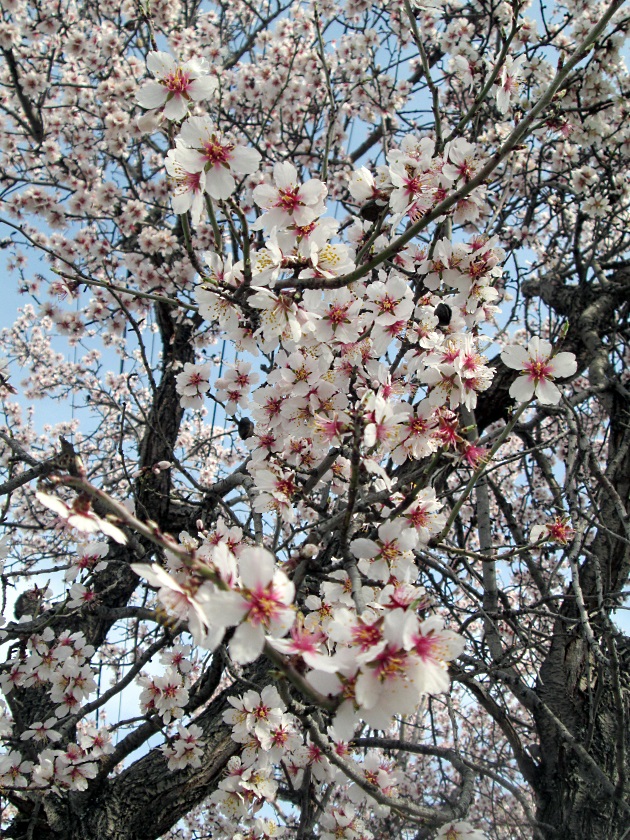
x=319, y=524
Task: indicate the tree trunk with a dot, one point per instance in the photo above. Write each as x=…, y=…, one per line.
x=584, y=789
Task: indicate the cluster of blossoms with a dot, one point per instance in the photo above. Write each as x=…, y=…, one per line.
x=185, y=748
x=269, y=734
x=67, y=769
x=377, y=361
x=167, y=694
x=58, y=664
x=373, y=664
x=90, y=559
x=369, y=368
x=72, y=767
x=331, y=345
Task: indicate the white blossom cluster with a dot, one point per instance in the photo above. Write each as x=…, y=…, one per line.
x=59, y=665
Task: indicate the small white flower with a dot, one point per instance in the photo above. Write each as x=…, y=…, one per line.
x=540, y=367
x=192, y=383
x=202, y=148
x=288, y=202
x=176, y=84
x=509, y=81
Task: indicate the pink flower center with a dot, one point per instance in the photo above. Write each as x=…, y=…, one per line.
x=337, y=315
x=285, y=486
x=279, y=736
x=390, y=551
x=418, y=517
x=386, y=304
x=315, y=754
x=450, y=354
x=191, y=181
x=425, y=647
x=471, y=361
x=390, y=663
x=263, y=606
x=539, y=370
x=272, y=407
x=418, y=426
x=305, y=230
x=465, y=170
x=261, y=712
x=560, y=532
x=366, y=636
x=217, y=154
x=305, y=642
x=170, y=690
x=177, y=82
x=289, y=199
x=413, y=185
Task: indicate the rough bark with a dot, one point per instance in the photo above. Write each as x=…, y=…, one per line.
x=591, y=698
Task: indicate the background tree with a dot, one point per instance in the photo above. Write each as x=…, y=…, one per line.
x=325, y=525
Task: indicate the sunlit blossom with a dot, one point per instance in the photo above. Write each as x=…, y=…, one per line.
x=176, y=84
x=540, y=367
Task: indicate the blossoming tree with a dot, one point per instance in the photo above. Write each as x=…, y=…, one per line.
x=315, y=440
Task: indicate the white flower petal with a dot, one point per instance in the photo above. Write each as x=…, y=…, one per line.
x=256, y=566
x=202, y=88
x=522, y=389
x=364, y=548
x=563, y=364
x=223, y=608
x=285, y=174
x=515, y=357
x=247, y=643
x=151, y=95
x=176, y=108
x=161, y=63
x=220, y=183
x=547, y=393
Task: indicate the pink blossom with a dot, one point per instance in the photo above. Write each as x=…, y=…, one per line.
x=434, y=648
x=192, y=384
x=306, y=643
x=288, y=202
x=176, y=86
x=509, y=81
x=262, y=605
x=201, y=147
x=459, y=831
x=187, y=188
x=379, y=559
x=540, y=367
x=187, y=603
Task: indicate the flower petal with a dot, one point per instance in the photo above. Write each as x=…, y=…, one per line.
x=247, y=643
x=515, y=357
x=547, y=393
x=176, y=108
x=161, y=63
x=563, y=364
x=522, y=389
x=151, y=95
x=256, y=566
